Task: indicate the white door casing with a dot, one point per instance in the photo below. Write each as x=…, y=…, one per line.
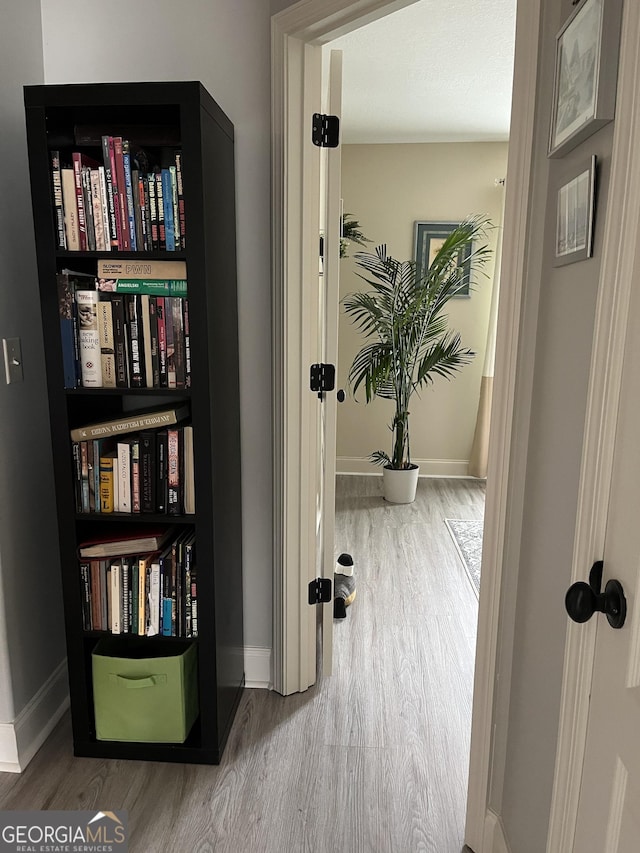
x=620, y=269
x=329, y=301
x=315, y=22
x=295, y=259
x=609, y=803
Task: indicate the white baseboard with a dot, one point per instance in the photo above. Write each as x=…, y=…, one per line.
x=494, y=839
x=257, y=667
x=428, y=467
x=21, y=739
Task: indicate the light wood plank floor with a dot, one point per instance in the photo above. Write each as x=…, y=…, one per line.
x=372, y=759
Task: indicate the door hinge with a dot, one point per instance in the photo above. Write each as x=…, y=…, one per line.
x=325, y=130
x=320, y=591
x=322, y=378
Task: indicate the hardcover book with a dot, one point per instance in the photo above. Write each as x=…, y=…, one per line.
x=135, y=340
x=153, y=609
x=88, y=208
x=107, y=350
x=66, y=310
x=173, y=473
x=181, y=209
x=167, y=201
x=148, y=471
x=79, y=160
x=56, y=180
x=160, y=210
x=153, y=211
x=88, y=338
x=70, y=210
x=128, y=183
x=108, y=157
x=124, y=240
x=97, y=206
x=108, y=465
x=133, y=422
x=150, y=286
x=124, y=477
x=128, y=269
x=126, y=540
x=187, y=343
x=106, y=208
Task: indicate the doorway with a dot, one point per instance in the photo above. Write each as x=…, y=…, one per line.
x=408, y=567
x=297, y=34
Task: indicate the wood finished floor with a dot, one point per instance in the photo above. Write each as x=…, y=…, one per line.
x=373, y=759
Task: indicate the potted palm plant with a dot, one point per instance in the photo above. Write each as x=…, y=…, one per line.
x=408, y=339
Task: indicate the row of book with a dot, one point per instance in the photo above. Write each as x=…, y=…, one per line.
x=147, y=472
x=124, y=332
x=148, y=594
x=119, y=203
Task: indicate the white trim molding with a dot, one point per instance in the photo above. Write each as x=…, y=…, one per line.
x=510, y=411
x=21, y=739
x=494, y=840
x=257, y=667
x=618, y=273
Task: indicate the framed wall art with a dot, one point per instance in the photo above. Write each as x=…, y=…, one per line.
x=575, y=214
x=586, y=72
x=428, y=240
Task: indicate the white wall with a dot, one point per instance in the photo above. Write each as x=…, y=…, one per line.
x=226, y=46
x=387, y=188
x=31, y=629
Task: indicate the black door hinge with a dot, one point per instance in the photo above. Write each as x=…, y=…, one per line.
x=325, y=130
x=320, y=591
x=322, y=378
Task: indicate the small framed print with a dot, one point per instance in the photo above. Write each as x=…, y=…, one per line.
x=584, y=95
x=428, y=240
x=575, y=214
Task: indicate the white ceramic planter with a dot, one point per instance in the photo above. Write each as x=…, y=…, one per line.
x=400, y=486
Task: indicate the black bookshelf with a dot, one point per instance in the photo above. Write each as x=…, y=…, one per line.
x=55, y=115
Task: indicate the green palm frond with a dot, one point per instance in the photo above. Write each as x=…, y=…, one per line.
x=350, y=233
x=401, y=316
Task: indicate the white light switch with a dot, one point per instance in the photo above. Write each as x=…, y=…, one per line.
x=12, y=360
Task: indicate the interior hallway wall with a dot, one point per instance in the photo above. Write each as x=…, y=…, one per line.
x=225, y=46
x=387, y=188
x=32, y=645
x=566, y=316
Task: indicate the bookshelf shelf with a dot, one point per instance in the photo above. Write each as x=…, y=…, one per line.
x=132, y=518
x=165, y=118
x=125, y=256
x=129, y=392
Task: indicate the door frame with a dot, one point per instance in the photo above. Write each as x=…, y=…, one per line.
x=297, y=35
x=619, y=263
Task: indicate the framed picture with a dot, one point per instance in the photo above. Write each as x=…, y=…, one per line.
x=584, y=95
x=429, y=237
x=574, y=220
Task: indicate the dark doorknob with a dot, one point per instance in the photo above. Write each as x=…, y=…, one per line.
x=584, y=599
x=340, y=396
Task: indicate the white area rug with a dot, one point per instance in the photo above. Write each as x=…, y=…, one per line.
x=467, y=536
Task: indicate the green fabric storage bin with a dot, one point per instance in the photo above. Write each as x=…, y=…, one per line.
x=147, y=693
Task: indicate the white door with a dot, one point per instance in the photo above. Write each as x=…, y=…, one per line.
x=609, y=808
x=328, y=298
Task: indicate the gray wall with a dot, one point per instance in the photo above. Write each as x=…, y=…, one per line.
x=226, y=45
x=30, y=601
x=562, y=361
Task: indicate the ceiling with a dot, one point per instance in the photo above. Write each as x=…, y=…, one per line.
x=435, y=71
